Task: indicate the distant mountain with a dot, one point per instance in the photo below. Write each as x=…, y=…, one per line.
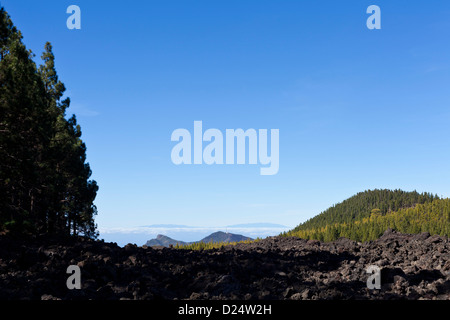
x=242, y=225
x=220, y=236
x=162, y=240
x=257, y=225
x=168, y=226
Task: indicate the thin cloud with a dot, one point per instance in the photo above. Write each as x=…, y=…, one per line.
x=82, y=110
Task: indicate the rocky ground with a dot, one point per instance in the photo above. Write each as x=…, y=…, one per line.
x=412, y=267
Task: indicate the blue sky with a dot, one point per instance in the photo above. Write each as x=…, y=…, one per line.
x=357, y=109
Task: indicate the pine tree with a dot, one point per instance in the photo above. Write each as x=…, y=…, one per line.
x=67, y=154
x=25, y=129
x=44, y=177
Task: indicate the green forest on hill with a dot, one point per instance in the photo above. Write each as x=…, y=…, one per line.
x=368, y=214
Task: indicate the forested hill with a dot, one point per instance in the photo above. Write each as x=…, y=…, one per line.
x=368, y=214
x=361, y=205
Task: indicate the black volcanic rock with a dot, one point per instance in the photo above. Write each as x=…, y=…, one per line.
x=412, y=267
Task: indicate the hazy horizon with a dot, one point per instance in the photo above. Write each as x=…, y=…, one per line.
x=140, y=235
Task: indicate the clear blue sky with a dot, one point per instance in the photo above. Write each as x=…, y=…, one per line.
x=356, y=109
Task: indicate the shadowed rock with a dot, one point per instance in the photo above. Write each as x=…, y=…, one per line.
x=413, y=267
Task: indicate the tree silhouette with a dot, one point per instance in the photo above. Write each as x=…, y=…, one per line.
x=44, y=177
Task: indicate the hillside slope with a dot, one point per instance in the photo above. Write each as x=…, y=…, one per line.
x=368, y=214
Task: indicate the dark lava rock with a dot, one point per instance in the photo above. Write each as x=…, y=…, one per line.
x=412, y=267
